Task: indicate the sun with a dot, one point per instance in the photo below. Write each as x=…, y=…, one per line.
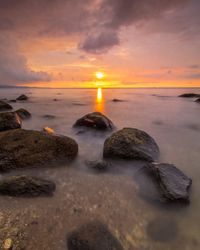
x=100, y=75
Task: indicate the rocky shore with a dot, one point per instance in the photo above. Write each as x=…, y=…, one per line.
x=22, y=149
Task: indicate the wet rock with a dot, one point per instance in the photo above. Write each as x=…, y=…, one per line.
x=9, y=120
x=49, y=117
x=93, y=236
x=28, y=148
x=95, y=120
x=173, y=183
x=117, y=100
x=26, y=186
x=99, y=165
x=4, y=106
x=13, y=100
x=162, y=229
x=131, y=143
x=23, y=114
x=198, y=100
x=22, y=98
x=189, y=95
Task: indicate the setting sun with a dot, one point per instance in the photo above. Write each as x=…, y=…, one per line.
x=100, y=75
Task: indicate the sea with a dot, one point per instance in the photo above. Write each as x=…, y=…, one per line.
x=119, y=197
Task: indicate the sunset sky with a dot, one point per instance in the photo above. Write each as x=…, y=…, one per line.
x=135, y=43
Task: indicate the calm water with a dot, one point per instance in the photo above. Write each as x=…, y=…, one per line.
x=111, y=197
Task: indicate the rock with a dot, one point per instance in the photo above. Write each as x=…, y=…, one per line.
x=95, y=120
x=27, y=148
x=13, y=100
x=23, y=114
x=173, y=183
x=100, y=165
x=162, y=229
x=189, y=95
x=22, y=98
x=117, y=100
x=93, y=236
x=48, y=130
x=5, y=106
x=9, y=120
x=26, y=186
x=49, y=117
x=131, y=143
x=198, y=100
x=8, y=244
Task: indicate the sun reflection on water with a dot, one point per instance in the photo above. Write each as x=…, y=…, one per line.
x=99, y=103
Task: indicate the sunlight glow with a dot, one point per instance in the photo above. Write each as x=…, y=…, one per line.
x=100, y=75
x=99, y=107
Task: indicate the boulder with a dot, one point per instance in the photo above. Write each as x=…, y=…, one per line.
x=23, y=114
x=93, y=236
x=27, y=148
x=22, y=98
x=198, y=100
x=189, y=95
x=26, y=186
x=4, y=106
x=95, y=120
x=99, y=165
x=9, y=120
x=173, y=183
x=49, y=117
x=131, y=143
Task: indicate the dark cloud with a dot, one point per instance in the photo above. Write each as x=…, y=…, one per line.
x=100, y=42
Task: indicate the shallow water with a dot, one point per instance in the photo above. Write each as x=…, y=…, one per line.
x=112, y=197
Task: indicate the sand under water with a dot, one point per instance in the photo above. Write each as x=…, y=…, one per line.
x=113, y=197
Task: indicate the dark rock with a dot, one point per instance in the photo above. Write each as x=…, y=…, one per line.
x=49, y=117
x=189, y=95
x=198, y=100
x=95, y=120
x=93, y=236
x=162, y=229
x=4, y=106
x=12, y=100
x=55, y=100
x=117, y=100
x=173, y=183
x=26, y=186
x=131, y=143
x=100, y=165
x=22, y=98
x=28, y=148
x=9, y=120
x=23, y=114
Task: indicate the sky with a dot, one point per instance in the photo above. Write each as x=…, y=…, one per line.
x=135, y=43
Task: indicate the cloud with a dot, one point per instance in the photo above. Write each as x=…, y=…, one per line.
x=100, y=42
x=13, y=65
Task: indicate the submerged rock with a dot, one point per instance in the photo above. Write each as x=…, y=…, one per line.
x=95, y=120
x=22, y=98
x=100, y=165
x=162, y=229
x=117, y=100
x=198, y=100
x=9, y=120
x=26, y=186
x=23, y=114
x=131, y=143
x=49, y=117
x=189, y=95
x=5, y=106
x=27, y=148
x=93, y=236
x=173, y=183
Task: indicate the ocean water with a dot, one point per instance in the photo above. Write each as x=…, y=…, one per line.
x=113, y=197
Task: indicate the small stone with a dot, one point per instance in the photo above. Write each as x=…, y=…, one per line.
x=8, y=244
x=22, y=98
